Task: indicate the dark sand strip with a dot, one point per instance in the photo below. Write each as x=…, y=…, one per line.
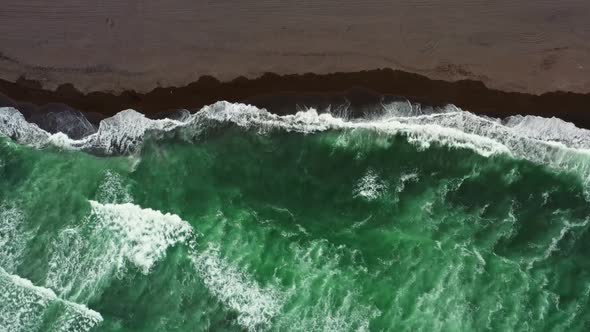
x=282, y=94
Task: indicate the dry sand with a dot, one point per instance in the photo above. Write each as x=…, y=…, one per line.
x=526, y=45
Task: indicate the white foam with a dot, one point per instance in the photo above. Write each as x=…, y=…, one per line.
x=113, y=190
x=23, y=305
x=85, y=259
x=550, y=129
x=13, y=237
x=550, y=142
x=124, y=131
x=76, y=269
x=404, y=179
x=423, y=135
x=146, y=233
x=553, y=245
x=120, y=134
x=14, y=125
x=370, y=186
x=255, y=305
x=405, y=108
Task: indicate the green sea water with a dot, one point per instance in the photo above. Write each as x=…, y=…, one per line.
x=341, y=230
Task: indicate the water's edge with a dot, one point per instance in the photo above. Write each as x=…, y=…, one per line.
x=281, y=94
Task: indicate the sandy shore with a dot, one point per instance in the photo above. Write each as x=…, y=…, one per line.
x=531, y=46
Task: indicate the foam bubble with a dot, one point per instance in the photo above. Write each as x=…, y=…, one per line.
x=14, y=125
x=255, y=305
x=112, y=189
x=404, y=179
x=13, y=237
x=370, y=186
x=553, y=244
x=549, y=129
x=146, y=233
x=123, y=132
x=120, y=134
x=85, y=259
x=24, y=305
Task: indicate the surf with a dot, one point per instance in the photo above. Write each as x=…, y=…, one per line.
x=234, y=218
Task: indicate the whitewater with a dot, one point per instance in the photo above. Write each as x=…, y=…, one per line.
x=407, y=218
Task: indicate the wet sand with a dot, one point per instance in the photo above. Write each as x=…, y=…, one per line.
x=287, y=93
x=531, y=46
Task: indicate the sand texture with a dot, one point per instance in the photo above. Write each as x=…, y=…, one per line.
x=525, y=46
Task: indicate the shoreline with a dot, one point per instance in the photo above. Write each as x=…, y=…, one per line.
x=281, y=94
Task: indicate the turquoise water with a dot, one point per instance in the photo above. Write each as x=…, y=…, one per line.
x=340, y=230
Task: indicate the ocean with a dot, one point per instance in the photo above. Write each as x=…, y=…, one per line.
x=408, y=218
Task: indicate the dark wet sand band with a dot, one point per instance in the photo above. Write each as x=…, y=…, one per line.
x=281, y=93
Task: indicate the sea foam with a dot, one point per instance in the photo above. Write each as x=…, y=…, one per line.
x=370, y=186
x=84, y=259
x=24, y=305
x=255, y=305
x=13, y=236
x=145, y=233
x=551, y=142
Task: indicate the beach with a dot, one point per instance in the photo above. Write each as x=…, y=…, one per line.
x=525, y=46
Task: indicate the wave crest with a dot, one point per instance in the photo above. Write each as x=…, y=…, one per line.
x=551, y=142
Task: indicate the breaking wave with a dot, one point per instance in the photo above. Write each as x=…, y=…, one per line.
x=25, y=307
x=546, y=141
